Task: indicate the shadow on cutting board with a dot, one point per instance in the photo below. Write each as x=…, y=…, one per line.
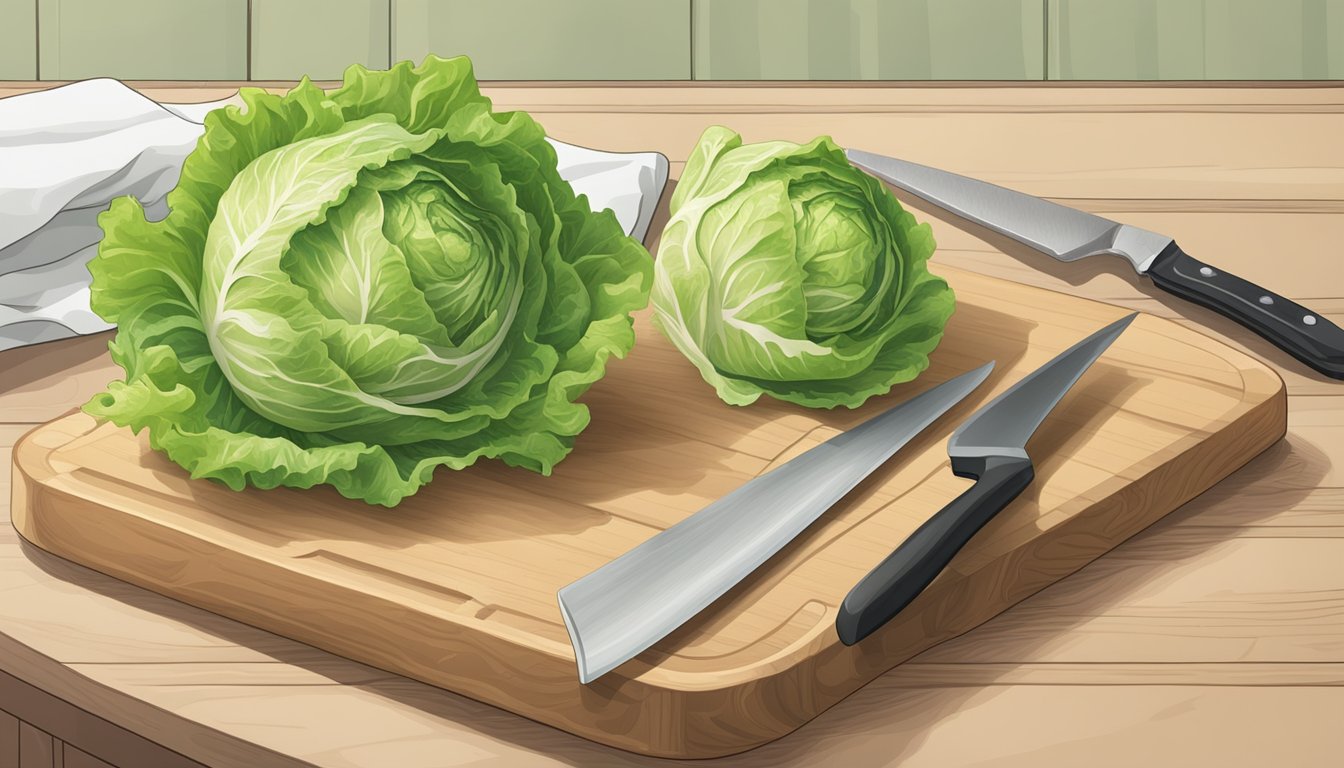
x=903, y=696
x=1080, y=414
x=879, y=724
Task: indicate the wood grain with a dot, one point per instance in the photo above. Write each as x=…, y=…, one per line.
x=78, y=758
x=1069, y=142
x=71, y=371
x=358, y=719
x=49, y=714
x=36, y=748
x=120, y=652
x=9, y=740
x=471, y=596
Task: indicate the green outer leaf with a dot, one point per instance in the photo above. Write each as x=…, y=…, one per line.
x=785, y=271
x=585, y=278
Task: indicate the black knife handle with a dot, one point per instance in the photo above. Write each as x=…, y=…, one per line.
x=1297, y=330
x=905, y=573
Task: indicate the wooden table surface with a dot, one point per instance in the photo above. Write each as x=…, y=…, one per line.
x=1215, y=637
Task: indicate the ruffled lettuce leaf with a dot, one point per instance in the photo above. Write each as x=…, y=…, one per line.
x=355, y=288
x=785, y=271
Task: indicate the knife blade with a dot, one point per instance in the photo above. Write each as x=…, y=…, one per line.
x=1068, y=234
x=622, y=608
x=990, y=447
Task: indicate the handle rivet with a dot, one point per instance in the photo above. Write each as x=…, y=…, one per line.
x=1266, y=300
x=1206, y=271
x=1309, y=320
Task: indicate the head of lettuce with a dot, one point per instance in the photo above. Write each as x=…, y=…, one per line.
x=358, y=286
x=785, y=271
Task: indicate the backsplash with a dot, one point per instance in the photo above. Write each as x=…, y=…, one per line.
x=679, y=39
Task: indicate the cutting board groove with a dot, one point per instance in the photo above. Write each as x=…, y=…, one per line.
x=456, y=587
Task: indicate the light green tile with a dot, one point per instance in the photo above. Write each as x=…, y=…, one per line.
x=869, y=39
x=1334, y=42
x=550, y=40
x=1282, y=40
x=318, y=38
x=1196, y=39
x=18, y=40
x=1126, y=39
x=143, y=39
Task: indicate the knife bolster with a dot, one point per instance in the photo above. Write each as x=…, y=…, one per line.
x=976, y=467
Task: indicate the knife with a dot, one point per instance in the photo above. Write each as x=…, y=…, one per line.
x=630, y=603
x=990, y=448
x=1068, y=234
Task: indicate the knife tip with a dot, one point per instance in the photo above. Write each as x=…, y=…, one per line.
x=1117, y=326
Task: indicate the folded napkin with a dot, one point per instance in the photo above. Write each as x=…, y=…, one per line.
x=65, y=153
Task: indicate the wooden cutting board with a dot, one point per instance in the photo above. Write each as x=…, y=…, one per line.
x=456, y=587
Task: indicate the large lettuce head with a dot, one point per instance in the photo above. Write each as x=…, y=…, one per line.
x=786, y=271
x=356, y=287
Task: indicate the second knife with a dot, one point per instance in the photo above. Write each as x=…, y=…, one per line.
x=630, y=603
x=991, y=448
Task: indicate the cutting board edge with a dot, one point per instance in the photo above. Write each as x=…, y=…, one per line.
x=42, y=530
x=29, y=529
x=685, y=711
x=1268, y=401
x=856, y=666
x=684, y=723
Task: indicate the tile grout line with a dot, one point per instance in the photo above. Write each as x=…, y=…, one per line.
x=690, y=42
x=247, y=69
x=1044, y=41
x=37, y=43
x=390, y=60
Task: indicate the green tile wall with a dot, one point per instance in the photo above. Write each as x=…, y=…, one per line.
x=550, y=39
x=1334, y=43
x=143, y=39
x=1196, y=39
x=18, y=40
x=679, y=39
x=318, y=38
x=869, y=39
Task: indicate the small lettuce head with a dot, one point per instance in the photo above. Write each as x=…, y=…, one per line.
x=357, y=287
x=786, y=271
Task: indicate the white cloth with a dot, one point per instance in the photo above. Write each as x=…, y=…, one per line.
x=65, y=153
